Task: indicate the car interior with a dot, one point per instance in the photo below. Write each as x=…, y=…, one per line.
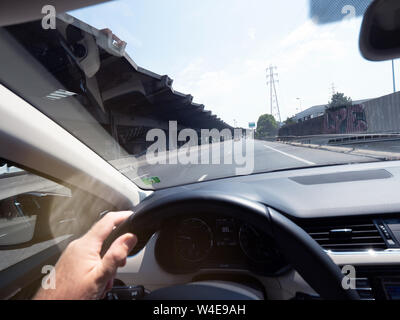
x=279, y=235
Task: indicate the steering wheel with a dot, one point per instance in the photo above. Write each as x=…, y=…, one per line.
x=302, y=252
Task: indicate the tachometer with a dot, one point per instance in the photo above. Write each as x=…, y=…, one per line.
x=193, y=240
x=255, y=244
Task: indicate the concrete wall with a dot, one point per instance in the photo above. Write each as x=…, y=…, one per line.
x=380, y=115
x=383, y=114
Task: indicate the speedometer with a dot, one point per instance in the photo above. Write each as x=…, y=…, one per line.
x=193, y=240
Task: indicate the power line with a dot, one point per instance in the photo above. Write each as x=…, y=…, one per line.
x=272, y=79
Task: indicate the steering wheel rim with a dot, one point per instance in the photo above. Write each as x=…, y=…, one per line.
x=303, y=253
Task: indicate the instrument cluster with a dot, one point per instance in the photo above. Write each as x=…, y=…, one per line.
x=193, y=243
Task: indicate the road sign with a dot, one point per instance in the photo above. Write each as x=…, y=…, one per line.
x=252, y=125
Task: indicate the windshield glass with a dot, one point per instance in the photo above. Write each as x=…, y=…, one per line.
x=178, y=92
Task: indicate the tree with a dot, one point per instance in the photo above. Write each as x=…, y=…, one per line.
x=266, y=127
x=339, y=100
x=289, y=121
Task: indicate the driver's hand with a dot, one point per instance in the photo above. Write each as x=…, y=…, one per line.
x=80, y=272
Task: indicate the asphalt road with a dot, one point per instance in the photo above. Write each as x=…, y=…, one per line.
x=213, y=161
x=267, y=156
x=14, y=185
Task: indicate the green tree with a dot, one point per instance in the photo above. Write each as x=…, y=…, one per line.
x=289, y=121
x=266, y=127
x=339, y=100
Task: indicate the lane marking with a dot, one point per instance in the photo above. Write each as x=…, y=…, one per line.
x=140, y=177
x=203, y=177
x=291, y=156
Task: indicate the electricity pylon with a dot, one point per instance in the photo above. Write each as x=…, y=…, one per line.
x=272, y=79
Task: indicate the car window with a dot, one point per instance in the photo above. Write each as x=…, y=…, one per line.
x=199, y=100
x=37, y=213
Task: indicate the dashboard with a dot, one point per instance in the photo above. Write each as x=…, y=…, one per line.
x=351, y=211
x=194, y=243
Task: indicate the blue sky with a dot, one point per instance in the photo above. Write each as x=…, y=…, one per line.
x=218, y=50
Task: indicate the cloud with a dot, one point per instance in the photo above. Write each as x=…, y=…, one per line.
x=300, y=34
x=252, y=33
x=205, y=82
x=232, y=91
x=237, y=87
x=311, y=40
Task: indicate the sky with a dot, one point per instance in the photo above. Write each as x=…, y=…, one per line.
x=218, y=51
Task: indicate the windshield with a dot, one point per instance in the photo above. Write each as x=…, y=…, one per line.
x=178, y=92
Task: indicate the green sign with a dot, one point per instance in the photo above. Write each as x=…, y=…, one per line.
x=151, y=181
x=252, y=125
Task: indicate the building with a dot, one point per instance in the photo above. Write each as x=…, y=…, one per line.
x=368, y=116
x=318, y=111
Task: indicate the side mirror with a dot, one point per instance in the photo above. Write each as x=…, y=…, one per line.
x=17, y=229
x=31, y=218
x=380, y=31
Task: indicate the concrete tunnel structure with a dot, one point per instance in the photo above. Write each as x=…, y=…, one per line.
x=93, y=88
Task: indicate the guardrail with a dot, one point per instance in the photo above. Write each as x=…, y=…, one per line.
x=341, y=139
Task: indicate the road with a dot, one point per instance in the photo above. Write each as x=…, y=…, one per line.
x=24, y=183
x=267, y=156
x=224, y=160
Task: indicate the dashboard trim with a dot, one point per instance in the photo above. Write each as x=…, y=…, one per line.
x=372, y=258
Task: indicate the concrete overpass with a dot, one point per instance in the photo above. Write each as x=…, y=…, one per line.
x=94, y=89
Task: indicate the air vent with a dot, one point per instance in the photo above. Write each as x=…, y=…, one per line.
x=347, y=236
x=364, y=289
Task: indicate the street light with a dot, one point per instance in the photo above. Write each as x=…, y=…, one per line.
x=394, y=78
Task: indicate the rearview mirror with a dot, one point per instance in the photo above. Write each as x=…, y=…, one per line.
x=380, y=31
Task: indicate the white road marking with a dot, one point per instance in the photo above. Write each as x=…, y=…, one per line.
x=292, y=156
x=140, y=177
x=203, y=177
